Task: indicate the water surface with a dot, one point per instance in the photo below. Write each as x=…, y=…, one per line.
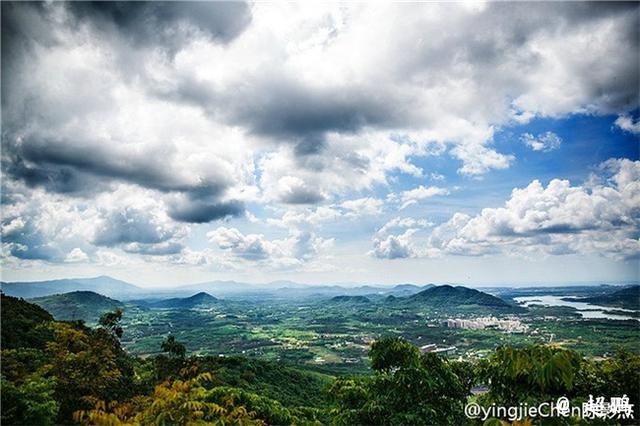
x=587, y=310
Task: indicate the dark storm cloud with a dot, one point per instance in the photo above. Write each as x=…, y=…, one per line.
x=288, y=110
x=201, y=211
x=27, y=242
x=62, y=180
x=282, y=108
x=162, y=23
x=302, y=196
x=63, y=160
x=278, y=105
x=84, y=166
x=128, y=226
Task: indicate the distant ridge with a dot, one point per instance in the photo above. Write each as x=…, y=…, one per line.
x=627, y=298
x=107, y=286
x=77, y=305
x=201, y=299
x=350, y=299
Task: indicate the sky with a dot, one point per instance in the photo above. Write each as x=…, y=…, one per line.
x=175, y=142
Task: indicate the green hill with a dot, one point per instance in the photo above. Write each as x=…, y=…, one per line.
x=77, y=305
x=22, y=324
x=199, y=300
x=446, y=296
x=350, y=299
x=627, y=298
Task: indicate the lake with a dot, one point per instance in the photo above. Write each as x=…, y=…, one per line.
x=587, y=310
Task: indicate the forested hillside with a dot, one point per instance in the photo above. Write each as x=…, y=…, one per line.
x=87, y=306
x=627, y=298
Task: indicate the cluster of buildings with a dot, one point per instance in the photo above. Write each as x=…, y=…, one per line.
x=508, y=325
x=432, y=347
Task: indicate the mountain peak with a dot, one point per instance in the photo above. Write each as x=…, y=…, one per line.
x=202, y=296
x=458, y=295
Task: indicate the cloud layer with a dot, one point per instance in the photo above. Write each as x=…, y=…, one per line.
x=135, y=128
x=598, y=218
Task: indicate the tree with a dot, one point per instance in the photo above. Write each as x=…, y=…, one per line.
x=530, y=374
x=29, y=402
x=173, y=347
x=87, y=365
x=407, y=388
x=611, y=377
x=173, y=402
x=23, y=324
x=170, y=366
x=111, y=321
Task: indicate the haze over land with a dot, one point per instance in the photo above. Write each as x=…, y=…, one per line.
x=172, y=143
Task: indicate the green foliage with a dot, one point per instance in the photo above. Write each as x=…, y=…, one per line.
x=88, y=365
x=529, y=374
x=175, y=402
x=111, y=322
x=612, y=377
x=407, y=388
x=173, y=347
x=169, y=366
x=19, y=363
x=269, y=410
x=66, y=368
x=538, y=374
x=29, y=402
x=392, y=353
x=290, y=386
x=23, y=324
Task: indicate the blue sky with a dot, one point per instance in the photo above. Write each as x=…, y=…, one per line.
x=361, y=143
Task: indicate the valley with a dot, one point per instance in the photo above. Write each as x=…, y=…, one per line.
x=329, y=329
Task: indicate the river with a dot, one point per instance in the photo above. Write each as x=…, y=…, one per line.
x=587, y=310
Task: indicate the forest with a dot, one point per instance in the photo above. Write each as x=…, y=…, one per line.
x=65, y=372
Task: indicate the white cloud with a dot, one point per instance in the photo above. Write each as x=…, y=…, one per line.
x=367, y=206
x=389, y=244
x=403, y=222
x=628, y=124
x=76, y=255
x=294, y=251
x=346, y=164
x=117, y=137
x=312, y=99
x=598, y=219
x=412, y=196
x=394, y=246
x=545, y=142
x=38, y=225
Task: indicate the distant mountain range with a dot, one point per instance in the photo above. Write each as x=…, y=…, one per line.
x=87, y=306
x=122, y=290
x=106, y=286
